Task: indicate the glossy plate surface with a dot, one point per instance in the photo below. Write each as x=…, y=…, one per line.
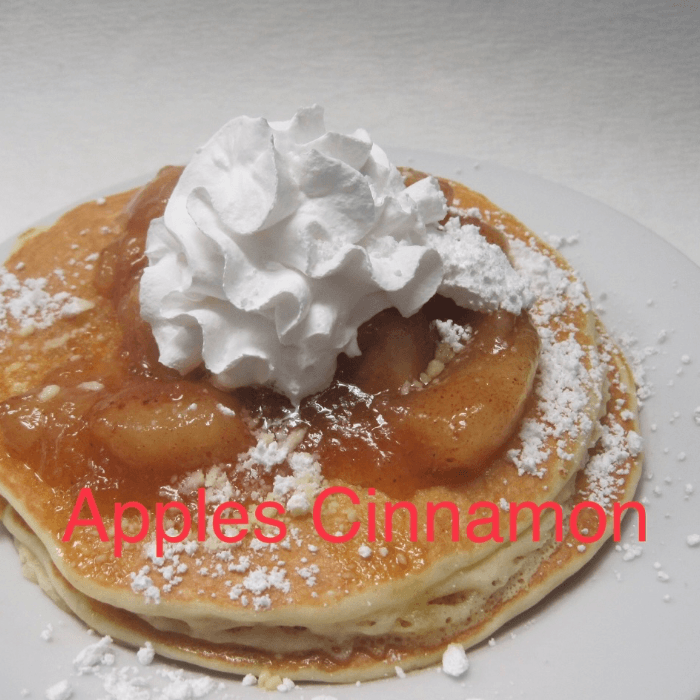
x=614, y=630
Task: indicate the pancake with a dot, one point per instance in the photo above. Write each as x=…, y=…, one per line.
x=301, y=607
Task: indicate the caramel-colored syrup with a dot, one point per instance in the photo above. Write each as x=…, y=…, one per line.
x=148, y=427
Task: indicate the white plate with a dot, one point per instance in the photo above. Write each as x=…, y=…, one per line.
x=609, y=632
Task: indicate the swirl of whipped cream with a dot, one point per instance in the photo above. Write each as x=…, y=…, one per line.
x=281, y=239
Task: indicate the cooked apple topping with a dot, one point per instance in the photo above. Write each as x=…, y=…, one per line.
x=412, y=410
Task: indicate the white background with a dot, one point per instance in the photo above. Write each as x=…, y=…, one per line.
x=603, y=97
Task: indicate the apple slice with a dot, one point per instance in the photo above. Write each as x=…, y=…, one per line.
x=395, y=350
x=462, y=418
x=170, y=428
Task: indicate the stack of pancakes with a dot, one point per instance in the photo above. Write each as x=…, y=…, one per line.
x=304, y=607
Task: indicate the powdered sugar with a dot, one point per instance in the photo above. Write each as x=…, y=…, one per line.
x=453, y=334
x=630, y=551
x=262, y=579
x=474, y=276
x=286, y=685
x=301, y=488
x=125, y=681
x=564, y=382
x=454, y=661
x=605, y=469
x=59, y=691
x=145, y=654
x=142, y=583
x=297, y=490
x=182, y=687
x=94, y=656
x=637, y=357
x=29, y=303
x=364, y=551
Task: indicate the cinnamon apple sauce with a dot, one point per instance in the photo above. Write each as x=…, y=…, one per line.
x=128, y=427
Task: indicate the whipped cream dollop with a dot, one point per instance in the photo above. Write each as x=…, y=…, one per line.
x=280, y=239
